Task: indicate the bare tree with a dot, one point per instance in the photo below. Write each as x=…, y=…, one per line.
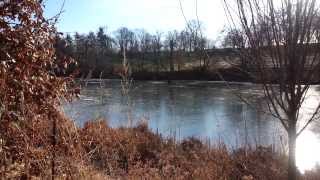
x=156, y=45
x=197, y=42
x=283, y=42
x=125, y=40
x=144, y=39
x=236, y=39
x=233, y=38
x=171, y=43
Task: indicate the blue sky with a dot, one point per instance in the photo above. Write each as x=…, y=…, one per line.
x=152, y=15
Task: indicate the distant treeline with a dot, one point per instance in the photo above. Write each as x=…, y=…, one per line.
x=101, y=53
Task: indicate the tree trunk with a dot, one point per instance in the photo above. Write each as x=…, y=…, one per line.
x=171, y=60
x=292, y=137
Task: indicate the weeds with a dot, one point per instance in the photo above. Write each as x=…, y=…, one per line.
x=137, y=153
x=126, y=86
x=99, y=151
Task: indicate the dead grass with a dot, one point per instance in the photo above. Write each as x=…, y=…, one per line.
x=137, y=153
x=97, y=151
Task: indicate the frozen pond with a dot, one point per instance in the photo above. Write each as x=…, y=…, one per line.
x=207, y=110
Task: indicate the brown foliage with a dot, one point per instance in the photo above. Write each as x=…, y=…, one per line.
x=101, y=152
x=137, y=153
x=29, y=90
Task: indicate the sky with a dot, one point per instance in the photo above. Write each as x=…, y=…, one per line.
x=152, y=15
